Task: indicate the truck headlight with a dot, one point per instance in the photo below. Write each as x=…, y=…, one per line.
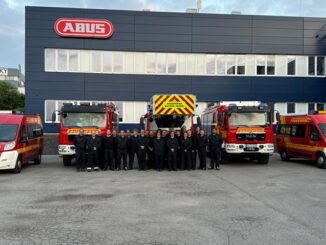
x=9, y=146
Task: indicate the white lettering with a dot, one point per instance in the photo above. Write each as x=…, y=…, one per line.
x=80, y=27
x=100, y=28
x=90, y=28
x=68, y=27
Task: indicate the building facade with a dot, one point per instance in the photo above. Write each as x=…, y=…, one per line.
x=13, y=76
x=217, y=57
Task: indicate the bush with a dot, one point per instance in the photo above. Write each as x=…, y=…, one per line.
x=10, y=99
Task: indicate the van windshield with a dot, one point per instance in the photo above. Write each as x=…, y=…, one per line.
x=8, y=132
x=322, y=127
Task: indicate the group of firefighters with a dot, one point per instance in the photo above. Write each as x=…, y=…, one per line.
x=172, y=150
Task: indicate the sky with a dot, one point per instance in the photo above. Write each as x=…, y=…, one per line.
x=12, y=15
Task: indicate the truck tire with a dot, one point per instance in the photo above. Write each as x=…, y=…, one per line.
x=66, y=161
x=38, y=159
x=321, y=160
x=284, y=156
x=18, y=167
x=263, y=159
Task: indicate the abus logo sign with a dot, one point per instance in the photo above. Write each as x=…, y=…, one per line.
x=86, y=28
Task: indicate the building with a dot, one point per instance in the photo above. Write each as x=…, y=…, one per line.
x=217, y=57
x=13, y=76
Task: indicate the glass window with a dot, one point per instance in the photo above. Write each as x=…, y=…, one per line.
x=172, y=63
x=290, y=108
x=191, y=64
x=311, y=107
x=280, y=65
x=73, y=60
x=210, y=64
x=50, y=58
x=320, y=107
x=107, y=61
x=161, y=63
x=84, y=60
x=129, y=62
x=150, y=62
x=8, y=132
x=220, y=64
x=291, y=65
x=270, y=65
x=200, y=65
x=230, y=64
x=311, y=65
x=241, y=65
x=250, y=65
x=320, y=66
x=298, y=131
x=182, y=62
x=49, y=109
x=301, y=65
x=62, y=60
x=140, y=60
x=260, y=64
x=117, y=62
x=96, y=61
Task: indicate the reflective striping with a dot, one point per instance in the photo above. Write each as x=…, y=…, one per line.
x=28, y=148
x=180, y=104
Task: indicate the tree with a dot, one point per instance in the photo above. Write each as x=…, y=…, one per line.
x=10, y=99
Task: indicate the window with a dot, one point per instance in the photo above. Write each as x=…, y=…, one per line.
x=313, y=133
x=241, y=65
x=298, y=131
x=220, y=64
x=270, y=65
x=191, y=64
x=62, y=60
x=118, y=62
x=280, y=65
x=230, y=64
x=284, y=129
x=30, y=133
x=200, y=64
x=261, y=63
x=291, y=65
x=290, y=108
x=161, y=63
x=50, y=107
x=172, y=63
x=301, y=66
x=50, y=60
x=96, y=61
x=311, y=107
x=311, y=65
x=320, y=66
x=320, y=107
x=182, y=63
x=150, y=63
x=210, y=64
x=107, y=61
x=140, y=61
x=73, y=60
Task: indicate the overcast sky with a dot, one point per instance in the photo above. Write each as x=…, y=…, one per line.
x=12, y=15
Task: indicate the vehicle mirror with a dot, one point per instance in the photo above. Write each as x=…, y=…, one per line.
x=198, y=121
x=24, y=139
x=54, y=116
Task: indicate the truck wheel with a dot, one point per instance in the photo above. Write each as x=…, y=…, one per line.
x=321, y=160
x=18, y=167
x=66, y=161
x=38, y=159
x=284, y=156
x=263, y=159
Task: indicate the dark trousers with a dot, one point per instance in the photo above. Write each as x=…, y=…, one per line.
x=92, y=159
x=215, y=158
x=172, y=160
x=186, y=160
x=80, y=159
x=179, y=156
x=202, y=157
x=193, y=159
x=151, y=159
x=131, y=158
x=142, y=159
x=108, y=159
x=159, y=161
x=122, y=154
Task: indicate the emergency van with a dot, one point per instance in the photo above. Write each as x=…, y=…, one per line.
x=21, y=141
x=302, y=136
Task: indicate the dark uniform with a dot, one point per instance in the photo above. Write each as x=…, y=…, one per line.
x=194, y=156
x=185, y=149
x=80, y=147
x=159, y=150
x=132, y=150
x=108, y=153
x=115, y=151
x=122, y=147
x=179, y=138
x=150, y=154
x=142, y=141
x=94, y=145
x=201, y=146
x=215, y=144
x=172, y=143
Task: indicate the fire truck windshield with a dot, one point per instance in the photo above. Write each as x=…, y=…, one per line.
x=8, y=132
x=322, y=127
x=249, y=119
x=170, y=121
x=78, y=119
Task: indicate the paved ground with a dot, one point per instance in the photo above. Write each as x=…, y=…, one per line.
x=244, y=203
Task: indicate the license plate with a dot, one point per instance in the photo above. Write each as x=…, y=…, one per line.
x=250, y=148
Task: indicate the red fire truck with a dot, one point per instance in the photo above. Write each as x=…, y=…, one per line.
x=302, y=136
x=246, y=130
x=89, y=116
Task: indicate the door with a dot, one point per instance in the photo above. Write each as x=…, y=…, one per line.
x=297, y=147
x=314, y=140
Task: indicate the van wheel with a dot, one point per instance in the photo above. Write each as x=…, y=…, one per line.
x=66, y=161
x=38, y=159
x=263, y=159
x=18, y=167
x=321, y=160
x=284, y=156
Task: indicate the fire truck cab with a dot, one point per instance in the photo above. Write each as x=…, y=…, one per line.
x=21, y=140
x=246, y=130
x=302, y=136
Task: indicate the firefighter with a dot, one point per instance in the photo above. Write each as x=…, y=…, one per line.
x=150, y=153
x=215, y=144
x=132, y=148
x=165, y=137
x=158, y=150
x=179, y=138
x=122, y=147
x=93, y=144
x=172, y=145
x=142, y=143
x=80, y=146
x=185, y=149
x=108, y=151
x=194, y=142
x=100, y=153
x=193, y=149
x=115, y=150
x=202, y=142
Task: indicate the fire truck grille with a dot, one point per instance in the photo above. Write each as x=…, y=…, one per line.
x=251, y=136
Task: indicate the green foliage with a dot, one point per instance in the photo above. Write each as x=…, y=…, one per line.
x=10, y=99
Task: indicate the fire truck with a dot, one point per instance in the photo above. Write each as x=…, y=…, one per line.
x=89, y=116
x=170, y=111
x=246, y=130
